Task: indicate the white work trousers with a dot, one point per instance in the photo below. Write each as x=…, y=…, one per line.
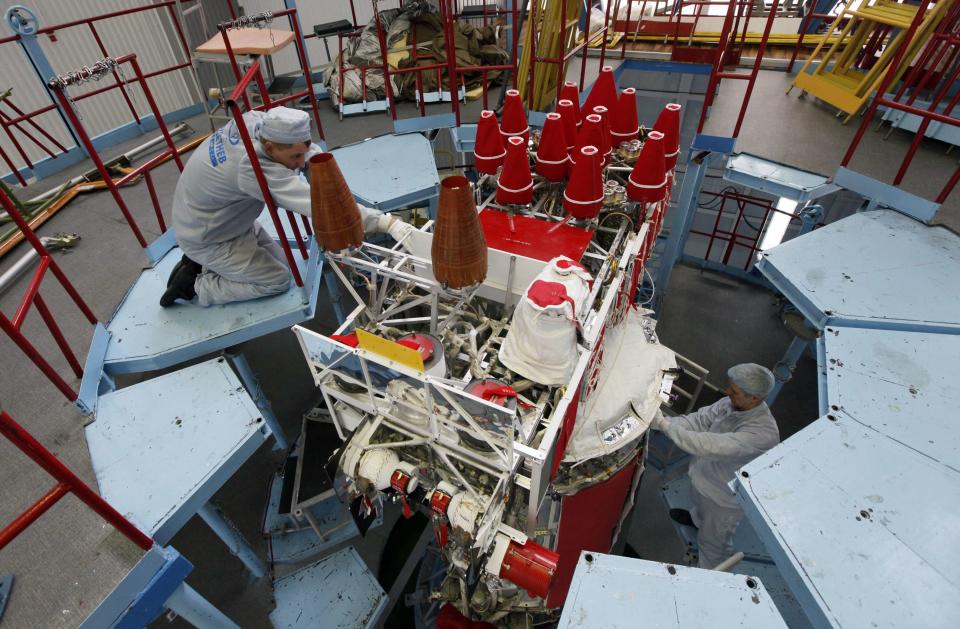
x=247, y=267
x=717, y=525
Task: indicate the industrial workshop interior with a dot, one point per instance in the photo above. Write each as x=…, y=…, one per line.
x=478, y=314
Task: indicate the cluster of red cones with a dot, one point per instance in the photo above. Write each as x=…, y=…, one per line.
x=575, y=144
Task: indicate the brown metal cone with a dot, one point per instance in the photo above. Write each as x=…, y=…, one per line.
x=336, y=217
x=459, y=250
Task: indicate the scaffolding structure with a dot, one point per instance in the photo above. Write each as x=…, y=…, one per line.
x=932, y=74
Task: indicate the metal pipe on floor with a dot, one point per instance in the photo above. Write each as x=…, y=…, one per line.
x=730, y=562
x=61, y=241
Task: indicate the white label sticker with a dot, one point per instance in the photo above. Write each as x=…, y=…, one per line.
x=623, y=428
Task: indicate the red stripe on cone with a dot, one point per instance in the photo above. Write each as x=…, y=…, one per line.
x=515, y=185
x=570, y=92
x=603, y=92
x=591, y=134
x=606, y=148
x=569, y=114
x=583, y=197
x=513, y=120
x=668, y=123
x=488, y=149
x=551, y=160
x=648, y=181
x=625, y=125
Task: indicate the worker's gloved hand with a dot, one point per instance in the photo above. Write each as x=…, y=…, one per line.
x=659, y=421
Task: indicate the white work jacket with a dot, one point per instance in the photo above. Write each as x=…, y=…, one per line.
x=217, y=197
x=722, y=440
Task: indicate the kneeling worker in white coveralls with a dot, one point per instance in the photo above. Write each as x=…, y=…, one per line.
x=722, y=438
x=228, y=256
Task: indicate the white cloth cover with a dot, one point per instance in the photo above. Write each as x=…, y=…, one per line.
x=541, y=344
x=627, y=395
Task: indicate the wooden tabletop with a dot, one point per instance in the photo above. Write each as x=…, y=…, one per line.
x=248, y=41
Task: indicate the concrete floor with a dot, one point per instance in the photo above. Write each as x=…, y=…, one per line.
x=67, y=561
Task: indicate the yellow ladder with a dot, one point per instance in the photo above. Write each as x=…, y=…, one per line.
x=837, y=80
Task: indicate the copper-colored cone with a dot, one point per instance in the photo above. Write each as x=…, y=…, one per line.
x=336, y=217
x=459, y=250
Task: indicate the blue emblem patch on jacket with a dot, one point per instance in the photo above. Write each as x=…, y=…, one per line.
x=218, y=154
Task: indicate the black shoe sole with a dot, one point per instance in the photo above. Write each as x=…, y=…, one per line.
x=181, y=287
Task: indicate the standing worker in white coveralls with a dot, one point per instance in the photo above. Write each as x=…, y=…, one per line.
x=722, y=438
x=228, y=256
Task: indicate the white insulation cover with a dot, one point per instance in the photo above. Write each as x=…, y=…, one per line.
x=541, y=344
x=627, y=395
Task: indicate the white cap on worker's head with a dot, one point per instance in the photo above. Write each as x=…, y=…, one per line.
x=286, y=126
x=752, y=379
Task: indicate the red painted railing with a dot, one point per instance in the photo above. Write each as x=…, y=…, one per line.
x=294, y=20
x=16, y=121
x=14, y=327
x=927, y=73
x=67, y=483
x=58, y=87
x=233, y=106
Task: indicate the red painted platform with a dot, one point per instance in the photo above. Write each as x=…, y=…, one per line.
x=533, y=237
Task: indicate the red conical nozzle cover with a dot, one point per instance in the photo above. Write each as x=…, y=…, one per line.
x=603, y=92
x=625, y=125
x=570, y=92
x=648, y=181
x=513, y=120
x=583, y=197
x=606, y=148
x=515, y=186
x=458, y=251
x=488, y=150
x=551, y=159
x=591, y=134
x=668, y=123
x=569, y=115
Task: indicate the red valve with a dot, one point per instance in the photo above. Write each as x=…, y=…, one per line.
x=439, y=502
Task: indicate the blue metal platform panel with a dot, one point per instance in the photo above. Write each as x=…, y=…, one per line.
x=391, y=171
x=876, y=269
x=161, y=448
x=901, y=384
x=757, y=561
x=620, y=593
x=144, y=336
x=337, y=592
x=862, y=527
x=758, y=173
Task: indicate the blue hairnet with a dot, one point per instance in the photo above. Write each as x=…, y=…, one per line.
x=753, y=379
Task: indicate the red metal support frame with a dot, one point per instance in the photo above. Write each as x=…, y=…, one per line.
x=58, y=87
x=67, y=483
x=733, y=237
x=945, y=36
x=233, y=106
x=294, y=20
x=8, y=122
x=718, y=73
x=31, y=297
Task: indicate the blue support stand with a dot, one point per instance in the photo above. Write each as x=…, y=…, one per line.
x=252, y=385
x=233, y=539
x=783, y=370
x=682, y=217
x=189, y=605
